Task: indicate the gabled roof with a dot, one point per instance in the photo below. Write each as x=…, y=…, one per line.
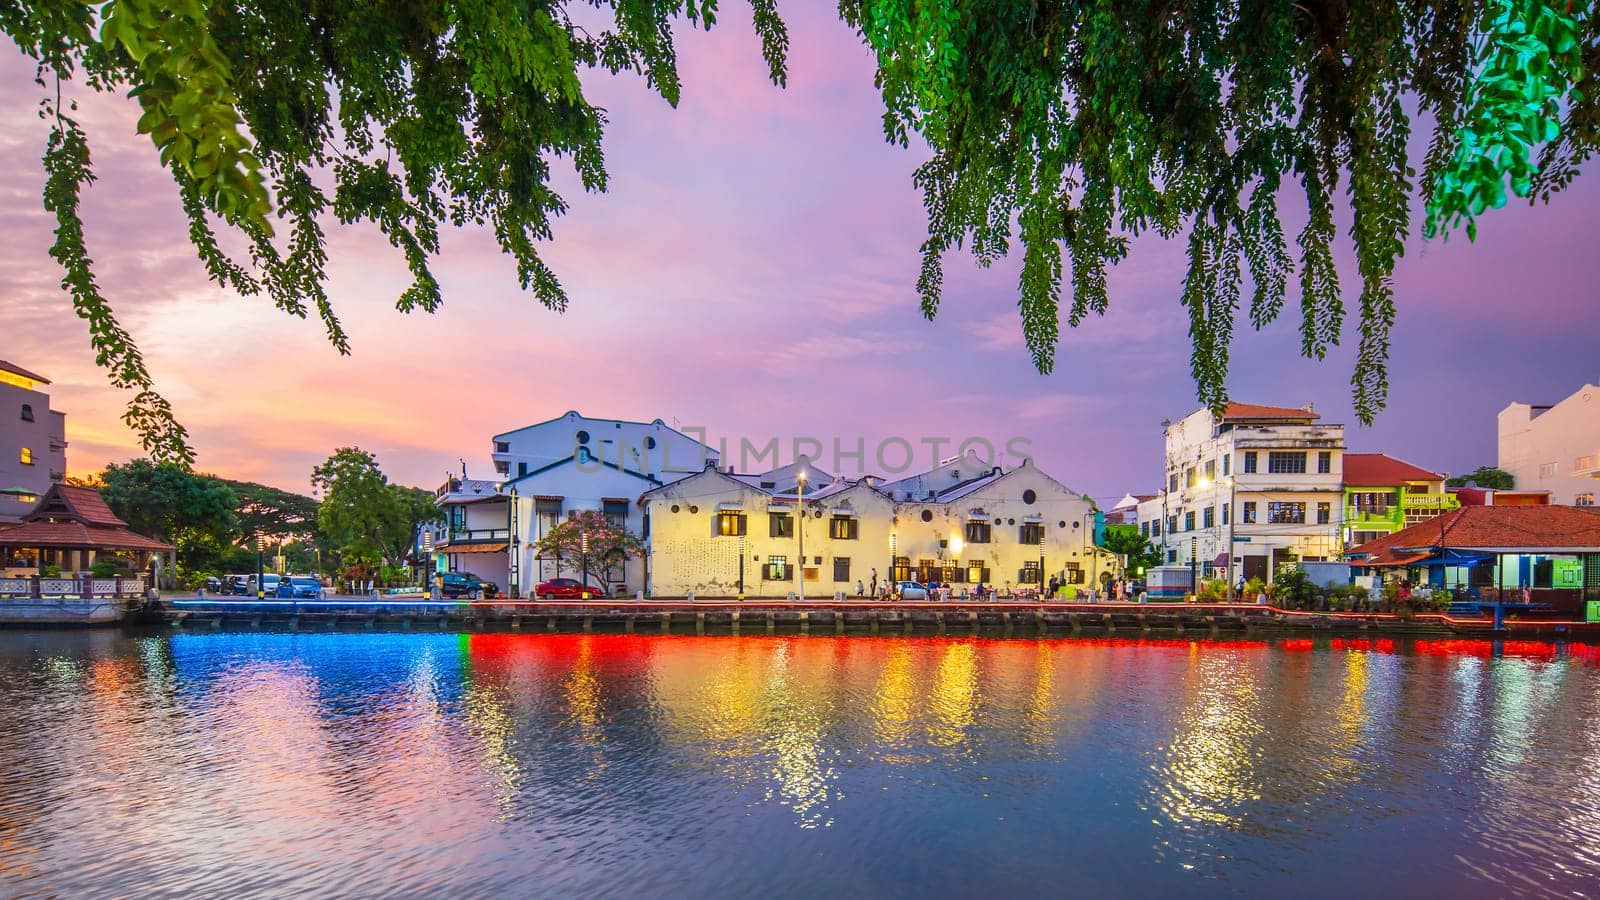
x=1504, y=529
x=569, y=460
x=1249, y=411
x=79, y=504
x=710, y=471
x=572, y=412
x=15, y=369
x=784, y=478
x=1381, y=470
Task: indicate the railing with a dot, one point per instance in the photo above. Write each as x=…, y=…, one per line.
x=463, y=535
x=86, y=587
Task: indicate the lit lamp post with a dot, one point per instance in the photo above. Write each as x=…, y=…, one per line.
x=1205, y=485
x=261, y=569
x=893, y=555
x=800, y=532
x=583, y=563
x=741, y=567
x=1090, y=551
x=1041, y=562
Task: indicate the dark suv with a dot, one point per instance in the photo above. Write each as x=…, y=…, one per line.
x=456, y=585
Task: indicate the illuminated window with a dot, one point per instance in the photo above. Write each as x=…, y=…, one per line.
x=778, y=568
x=27, y=412
x=844, y=528
x=730, y=524
x=1286, y=463
x=977, y=532
x=1585, y=500
x=27, y=456
x=1286, y=513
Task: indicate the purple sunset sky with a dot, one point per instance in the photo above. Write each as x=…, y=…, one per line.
x=752, y=271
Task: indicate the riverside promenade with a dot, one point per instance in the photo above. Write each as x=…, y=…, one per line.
x=868, y=617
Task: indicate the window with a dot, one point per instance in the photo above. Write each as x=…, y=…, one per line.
x=844, y=528
x=1033, y=532
x=730, y=524
x=1227, y=463
x=1375, y=502
x=1283, y=462
x=841, y=568
x=1584, y=500
x=1155, y=528
x=502, y=447
x=977, y=572
x=1286, y=513
x=778, y=568
x=780, y=525
x=1211, y=470
x=616, y=512
x=27, y=412
x=1172, y=556
x=1249, y=512
x=1324, y=462
x=1324, y=513
x=522, y=469
x=1188, y=520
x=1172, y=482
x=27, y=456
x=1209, y=517
x=902, y=569
x=1249, y=462
x=978, y=532
x=1144, y=529
x=1225, y=514
x=1547, y=470
x=1030, y=573
x=1188, y=477
x=1172, y=524
x=1029, y=497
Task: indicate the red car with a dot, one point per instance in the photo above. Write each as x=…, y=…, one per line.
x=566, y=589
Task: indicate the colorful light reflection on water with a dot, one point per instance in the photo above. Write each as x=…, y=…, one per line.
x=372, y=764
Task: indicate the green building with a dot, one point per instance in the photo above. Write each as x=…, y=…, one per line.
x=1383, y=495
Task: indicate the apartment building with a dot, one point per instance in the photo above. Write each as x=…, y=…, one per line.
x=1554, y=448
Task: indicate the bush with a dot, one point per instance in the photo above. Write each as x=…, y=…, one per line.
x=1213, y=590
x=103, y=568
x=1296, y=591
x=50, y=570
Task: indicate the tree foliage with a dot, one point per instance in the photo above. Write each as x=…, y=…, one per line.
x=272, y=115
x=1487, y=477
x=608, y=546
x=272, y=511
x=1127, y=541
x=362, y=513
x=1070, y=127
x=1075, y=126
x=194, y=513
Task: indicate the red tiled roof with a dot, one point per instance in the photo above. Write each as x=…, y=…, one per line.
x=1257, y=411
x=77, y=535
x=81, y=503
x=15, y=369
x=1525, y=529
x=1382, y=470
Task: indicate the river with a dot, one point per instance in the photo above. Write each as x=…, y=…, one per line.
x=274, y=765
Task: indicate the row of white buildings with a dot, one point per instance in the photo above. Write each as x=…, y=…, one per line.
x=712, y=531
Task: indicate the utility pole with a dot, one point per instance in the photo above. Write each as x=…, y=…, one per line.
x=800, y=531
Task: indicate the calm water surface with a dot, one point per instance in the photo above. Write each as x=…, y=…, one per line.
x=401, y=765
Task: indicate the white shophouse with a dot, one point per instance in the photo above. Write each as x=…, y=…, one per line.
x=798, y=529
x=555, y=469
x=1554, y=448
x=1259, y=486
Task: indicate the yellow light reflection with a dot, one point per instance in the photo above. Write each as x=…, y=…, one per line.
x=1210, y=768
x=954, y=699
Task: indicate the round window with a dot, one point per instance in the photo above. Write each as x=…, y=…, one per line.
x=927, y=515
x=583, y=437
x=1028, y=496
x=694, y=509
x=816, y=514
x=649, y=443
x=674, y=507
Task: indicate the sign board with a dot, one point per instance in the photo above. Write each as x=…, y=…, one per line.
x=1594, y=611
x=1242, y=540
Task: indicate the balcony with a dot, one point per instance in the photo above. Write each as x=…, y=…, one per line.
x=473, y=536
x=1587, y=466
x=1429, y=503
x=1374, y=518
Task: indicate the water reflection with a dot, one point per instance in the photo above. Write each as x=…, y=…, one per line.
x=379, y=764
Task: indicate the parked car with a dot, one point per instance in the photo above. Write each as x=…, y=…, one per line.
x=237, y=585
x=567, y=589
x=465, y=584
x=269, y=586
x=300, y=587
x=212, y=585
x=911, y=590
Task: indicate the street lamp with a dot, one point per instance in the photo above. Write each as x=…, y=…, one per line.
x=741, y=567
x=1042, y=527
x=800, y=531
x=1205, y=485
x=1089, y=550
x=583, y=563
x=261, y=569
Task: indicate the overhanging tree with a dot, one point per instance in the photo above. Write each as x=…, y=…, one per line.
x=1069, y=127
x=369, y=519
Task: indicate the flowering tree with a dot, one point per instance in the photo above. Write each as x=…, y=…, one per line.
x=607, y=545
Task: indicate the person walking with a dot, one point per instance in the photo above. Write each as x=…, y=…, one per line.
x=874, y=582
x=859, y=591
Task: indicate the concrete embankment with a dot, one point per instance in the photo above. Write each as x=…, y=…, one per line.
x=998, y=619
